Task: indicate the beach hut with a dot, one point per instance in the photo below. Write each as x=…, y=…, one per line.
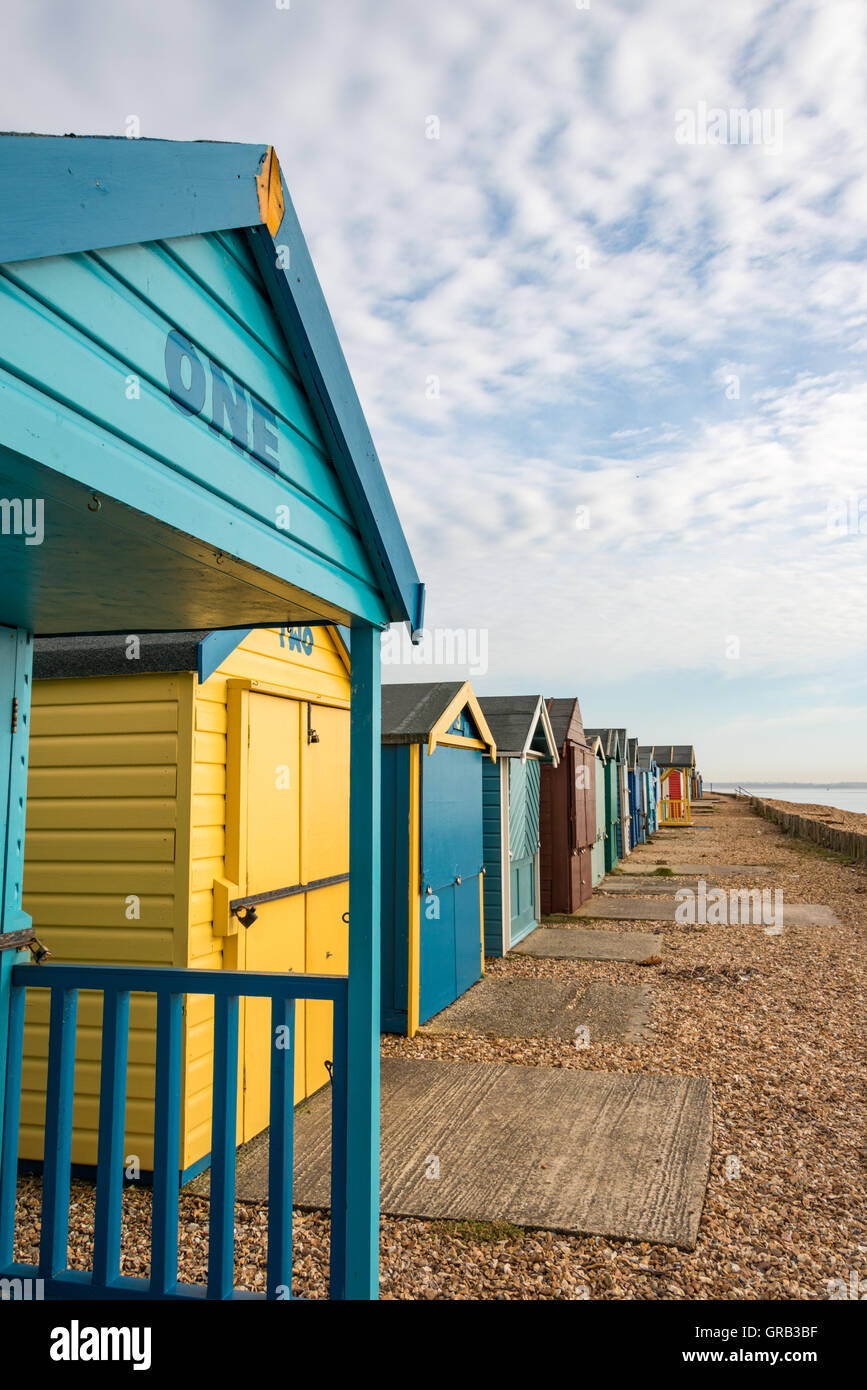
x=613, y=751
x=181, y=449
x=597, y=853
x=676, y=762
x=434, y=740
x=521, y=729
x=635, y=792
x=567, y=819
x=650, y=775
x=220, y=762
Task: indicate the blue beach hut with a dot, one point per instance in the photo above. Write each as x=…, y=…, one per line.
x=181, y=449
x=434, y=741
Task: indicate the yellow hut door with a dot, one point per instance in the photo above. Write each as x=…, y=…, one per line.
x=324, y=854
x=276, y=940
x=297, y=832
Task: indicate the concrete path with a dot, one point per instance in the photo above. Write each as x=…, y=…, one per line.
x=558, y=1149
x=650, y=910
x=571, y=943
x=617, y=887
x=648, y=863
x=525, y=1008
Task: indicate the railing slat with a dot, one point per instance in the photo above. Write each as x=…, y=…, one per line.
x=54, y=1234
x=280, y=1148
x=221, y=1236
x=167, y=1144
x=11, y=1117
x=337, y=1270
x=110, y=1155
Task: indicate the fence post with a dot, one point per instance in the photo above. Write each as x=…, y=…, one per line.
x=16, y=668
x=363, y=1006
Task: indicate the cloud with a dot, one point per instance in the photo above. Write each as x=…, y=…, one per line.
x=581, y=285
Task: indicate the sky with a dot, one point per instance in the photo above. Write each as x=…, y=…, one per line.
x=611, y=340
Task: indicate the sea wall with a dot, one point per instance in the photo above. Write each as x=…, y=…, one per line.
x=851, y=843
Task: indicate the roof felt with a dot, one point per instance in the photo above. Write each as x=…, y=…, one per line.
x=566, y=721
x=410, y=711
x=68, y=194
x=609, y=739
x=106, y=655
x=512, y=720
x=646, y=759
x=674, y=754
x=632, y=752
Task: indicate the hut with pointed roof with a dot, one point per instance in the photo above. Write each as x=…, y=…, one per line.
x=567, y=818
x=521, y=728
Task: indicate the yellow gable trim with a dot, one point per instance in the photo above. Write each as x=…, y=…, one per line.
x=464, y=699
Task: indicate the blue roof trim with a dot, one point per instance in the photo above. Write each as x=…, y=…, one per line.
x=300, y=304
x=212, y=651
x=66, y=194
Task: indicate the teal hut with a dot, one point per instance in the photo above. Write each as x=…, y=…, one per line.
x=522, y=731
x=614, y=752
x=179, y=425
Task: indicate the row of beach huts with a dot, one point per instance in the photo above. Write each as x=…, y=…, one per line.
x=199, y=554
x=205, y=776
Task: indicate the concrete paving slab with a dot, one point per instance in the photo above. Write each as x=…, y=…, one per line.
x=613, y=1012
x=524, y=1008
x=571, y=943
x=616, y=887
x=701, y=870
x=565, y=1150
x=512, y=1008
x=655, y=910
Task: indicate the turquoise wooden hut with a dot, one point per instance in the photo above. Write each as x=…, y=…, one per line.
x=521, y=729
x=597, y=853
x=650, y=775
x=435, y=739
x=614, y=795
x=181, y=449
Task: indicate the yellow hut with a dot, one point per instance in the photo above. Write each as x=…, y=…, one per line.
x=175, y=777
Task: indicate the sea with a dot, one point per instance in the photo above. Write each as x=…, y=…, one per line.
x=844, y=798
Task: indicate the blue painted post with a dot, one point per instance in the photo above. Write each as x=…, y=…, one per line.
x=221, y=1240
x=54, y=1235
x=362, y=1130
x=9, y=1120
x=110, y=1155
x=16, y=664
x=280, y=1148
x=167, y=1145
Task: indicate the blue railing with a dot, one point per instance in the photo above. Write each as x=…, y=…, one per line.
x=169, y=985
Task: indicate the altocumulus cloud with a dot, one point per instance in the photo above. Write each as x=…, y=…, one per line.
x=556, y=304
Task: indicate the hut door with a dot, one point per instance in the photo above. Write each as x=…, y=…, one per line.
x=297, y=832
x=523, y=843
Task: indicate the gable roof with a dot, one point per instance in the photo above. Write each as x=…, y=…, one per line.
x=566, y=721
x=423, y=712
x=674, y=754
x=67, y=194
x=517, y=722
x=646, y=759
x=594, y=742
x=632, y=753
x=611, y=743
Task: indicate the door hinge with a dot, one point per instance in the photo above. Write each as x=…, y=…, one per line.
x=15, y=714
